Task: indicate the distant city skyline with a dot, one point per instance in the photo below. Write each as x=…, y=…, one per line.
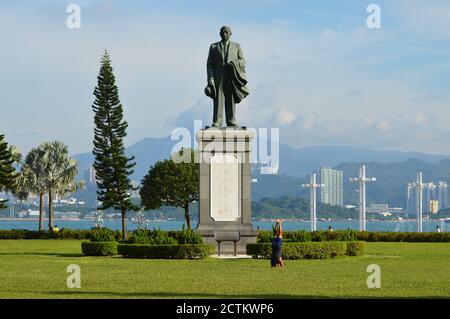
x=438, y=192
x=332, y=191
x=315, y=70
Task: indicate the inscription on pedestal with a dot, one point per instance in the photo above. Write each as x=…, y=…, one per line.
x=224, y=187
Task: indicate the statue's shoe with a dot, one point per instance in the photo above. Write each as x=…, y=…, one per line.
x=233, y=124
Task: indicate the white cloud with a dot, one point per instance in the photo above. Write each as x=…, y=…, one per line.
x=396, y=131
x=430, y=19
x=384, y=126
x=285, y=116
x=328, y=86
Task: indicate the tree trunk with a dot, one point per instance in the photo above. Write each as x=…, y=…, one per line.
x=187, y=216
x=50, y=210
x=124, y=225
x=41, y=211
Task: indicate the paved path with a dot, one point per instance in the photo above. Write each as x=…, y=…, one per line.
x=230, y=256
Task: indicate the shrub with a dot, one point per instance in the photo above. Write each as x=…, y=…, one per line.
x=403, y=237
x=355, y=248
x=151, y=237
x=353, y=235
x=103, y=235
x=199, y=251
x=305, y=250
x=162, y=238
x=261, y=250
x=140, y=236
x=342, y=235
x=64, y=233
x=318, y=236
x=13, y=234
x=99, y=248
x=299, y=236
x=188, y=236
x=265, y=236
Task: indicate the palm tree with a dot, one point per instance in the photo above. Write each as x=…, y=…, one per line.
x=60, y=171
x=48, y=168
x=32, y=180
x=16, y=155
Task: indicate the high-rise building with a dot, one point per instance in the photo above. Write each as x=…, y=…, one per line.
x=431, y=192
x=410, y=198
x=434, y=206
x=89, y=176
x=448, y=193
x=333, y=191
x=442, y=195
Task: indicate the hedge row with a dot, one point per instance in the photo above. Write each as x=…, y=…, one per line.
x=160, y=237
x=404, y=237
x=355, y=248
x=353, y=235
x=198, y=251
x=187, y=237
x=34, y=234
x=157, y=237
x=90, y=248
x=308, y=250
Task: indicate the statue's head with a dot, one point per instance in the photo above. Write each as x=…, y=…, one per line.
x=225, y=33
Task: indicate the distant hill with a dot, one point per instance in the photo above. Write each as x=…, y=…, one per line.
x=390, y=187
x=293, y=162
x=392, y=179
x=300, y=162
x=393, y=170
x=146, y=151
x=296, y=207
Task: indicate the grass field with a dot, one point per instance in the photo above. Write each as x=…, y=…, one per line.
x=37, y=269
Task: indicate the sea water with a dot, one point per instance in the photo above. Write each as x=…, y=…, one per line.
x=387, y=226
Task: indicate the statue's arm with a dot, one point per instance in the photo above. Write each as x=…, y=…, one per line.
x=210, y=66
x=241, y=58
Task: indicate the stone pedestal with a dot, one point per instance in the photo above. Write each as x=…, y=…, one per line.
x=225, y=186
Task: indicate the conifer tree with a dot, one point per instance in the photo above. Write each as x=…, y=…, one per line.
x=8, y=173
x=112, y=167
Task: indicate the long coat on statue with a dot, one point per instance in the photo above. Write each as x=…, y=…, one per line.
x=226, y=69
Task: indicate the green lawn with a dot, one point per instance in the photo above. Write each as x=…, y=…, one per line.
x=37, y=269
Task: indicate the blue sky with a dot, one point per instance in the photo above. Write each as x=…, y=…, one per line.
x=315, y=70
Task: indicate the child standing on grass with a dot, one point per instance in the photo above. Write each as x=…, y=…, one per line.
x=277, y=243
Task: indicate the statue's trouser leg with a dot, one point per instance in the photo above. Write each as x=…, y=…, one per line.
x=230, y=108
x=219, y=101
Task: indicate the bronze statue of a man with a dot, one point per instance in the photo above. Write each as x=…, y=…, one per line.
x=226, y=78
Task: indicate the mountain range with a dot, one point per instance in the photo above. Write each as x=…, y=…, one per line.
x=393, y=169
x=293, y=162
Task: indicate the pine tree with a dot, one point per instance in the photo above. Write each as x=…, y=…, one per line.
x=112, y=167
x=8, y=173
